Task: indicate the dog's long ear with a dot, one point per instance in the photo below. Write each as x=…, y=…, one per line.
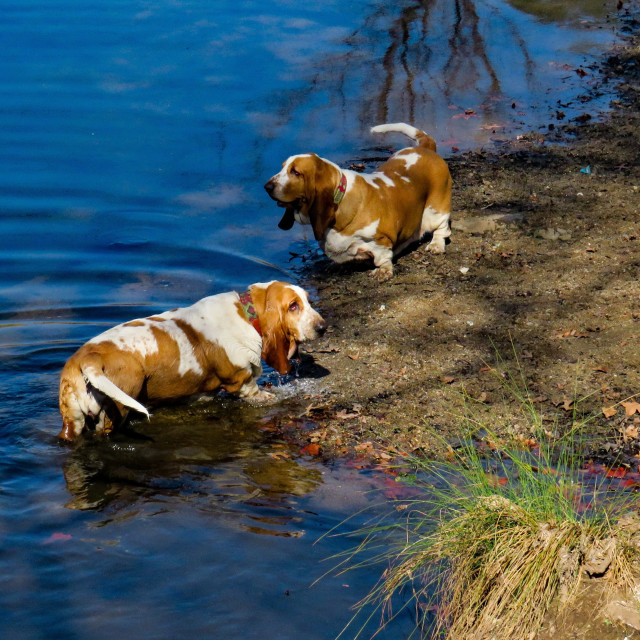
x=288, y=218
x=322, y=208
x=275, y=344
x=275, y=350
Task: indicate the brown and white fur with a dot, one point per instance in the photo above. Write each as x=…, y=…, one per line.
x=207, y=346
x=381, y=213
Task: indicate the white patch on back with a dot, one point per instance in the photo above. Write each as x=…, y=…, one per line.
x=409, y=157
x=137, y=339
x=140, y=339
x=373, y=178
x=370, y=180
x=385, y=178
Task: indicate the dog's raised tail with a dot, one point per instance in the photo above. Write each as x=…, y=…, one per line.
x=423, y=139
x=98, y=380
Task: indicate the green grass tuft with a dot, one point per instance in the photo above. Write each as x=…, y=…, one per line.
x=496, y=534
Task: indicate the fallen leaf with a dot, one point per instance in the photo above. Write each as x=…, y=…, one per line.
x=573, y=333
x=448, y=379
x=567, y=404
x=609, y=412
x=311, y=449
x=494, y=480
x=631, y=407
x=469, y=113
x=280, y=455
x=616, y=472
x=343, y=415
x=601, y=369
x=631, y=431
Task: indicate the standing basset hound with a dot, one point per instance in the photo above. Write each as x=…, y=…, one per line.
x=216, y=343
x=361, y=216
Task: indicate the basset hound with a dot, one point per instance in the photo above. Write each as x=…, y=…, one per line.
x=362, y=216
x=216, y=343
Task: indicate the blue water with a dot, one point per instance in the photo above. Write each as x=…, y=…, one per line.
x=135, y=138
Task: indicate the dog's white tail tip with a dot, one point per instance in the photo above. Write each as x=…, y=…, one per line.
x=102, y=383
x=422, y=138
x=399, y=127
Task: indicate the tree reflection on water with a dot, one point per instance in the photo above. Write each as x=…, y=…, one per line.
x=455, y=68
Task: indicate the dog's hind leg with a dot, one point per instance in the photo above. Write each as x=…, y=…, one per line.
x=73, y=417
x=437, y=224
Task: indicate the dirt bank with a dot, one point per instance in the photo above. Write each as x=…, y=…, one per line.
x=542, y=273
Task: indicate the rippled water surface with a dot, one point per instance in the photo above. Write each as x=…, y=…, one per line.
x=134, y=141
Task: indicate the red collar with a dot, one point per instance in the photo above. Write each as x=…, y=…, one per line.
x=250, y=311
x=341, y=189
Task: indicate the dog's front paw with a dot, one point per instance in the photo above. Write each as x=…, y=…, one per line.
x=381, y=274
x=436, y=246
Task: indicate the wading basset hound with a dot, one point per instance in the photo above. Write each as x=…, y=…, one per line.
x=369, y=216
x=217, y=343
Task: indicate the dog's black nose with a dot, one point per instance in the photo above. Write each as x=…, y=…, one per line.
x=321, y=327
x=270, y=186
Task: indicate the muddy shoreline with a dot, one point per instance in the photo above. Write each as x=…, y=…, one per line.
x=540, y=282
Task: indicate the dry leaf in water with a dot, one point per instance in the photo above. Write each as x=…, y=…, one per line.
x=311, y=449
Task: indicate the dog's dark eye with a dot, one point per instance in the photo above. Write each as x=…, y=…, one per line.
x=293, y=306
x=295, y=173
